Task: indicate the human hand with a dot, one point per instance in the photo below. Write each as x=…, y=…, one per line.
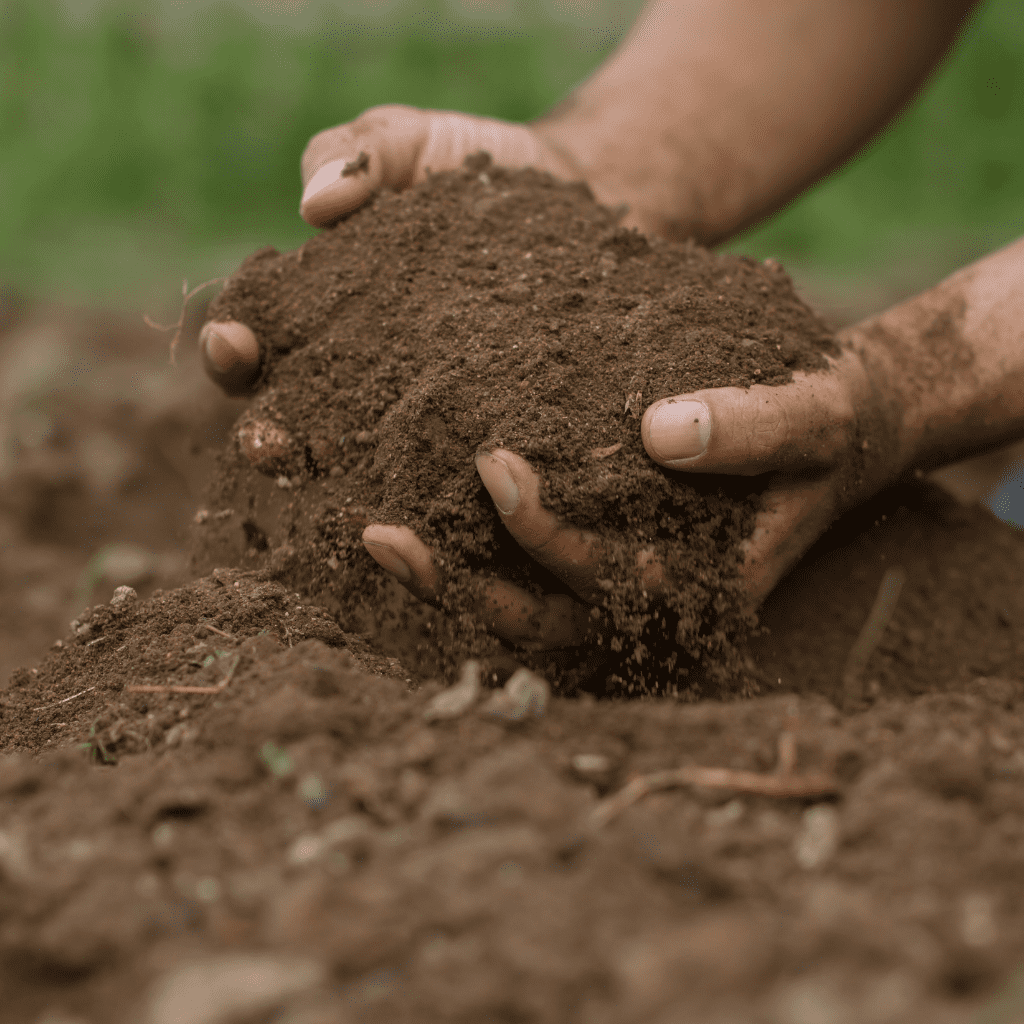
x=389, y=146
x=825, y=442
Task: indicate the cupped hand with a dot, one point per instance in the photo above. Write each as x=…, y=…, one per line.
x=389, y=146
x=826, y=441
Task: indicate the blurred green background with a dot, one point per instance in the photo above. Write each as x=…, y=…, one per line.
x=139, y=146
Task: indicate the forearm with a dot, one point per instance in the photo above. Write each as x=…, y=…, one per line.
x=712, y=115
x=952, y=363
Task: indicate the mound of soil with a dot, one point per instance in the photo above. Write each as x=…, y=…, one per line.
x=304, y=844
x=488, y=308
x=273, y=830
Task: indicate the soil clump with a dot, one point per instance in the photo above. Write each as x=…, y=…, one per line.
x=488, y=308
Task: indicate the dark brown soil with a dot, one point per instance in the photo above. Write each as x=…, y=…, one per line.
x=301, y=846
x=488, y=308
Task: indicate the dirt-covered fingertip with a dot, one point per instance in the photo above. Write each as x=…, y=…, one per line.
x=231, y=355
x=398, y=550
x=337, y=188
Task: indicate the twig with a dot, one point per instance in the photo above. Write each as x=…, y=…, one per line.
x=603, y=453
x=174, y=688
x=214, y=629
x=98, y=640
x=180, y=323
x=872, y=631
x=65, y=700
x=782, y=783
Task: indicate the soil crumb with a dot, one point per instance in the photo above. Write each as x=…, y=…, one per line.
x=488, y=309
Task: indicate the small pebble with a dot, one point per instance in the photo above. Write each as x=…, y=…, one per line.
x=457, y=699
x=123, y=596
x=284, y=483
x=524, y=696
x=305, y=850
x=591, y=765
x=818, y=839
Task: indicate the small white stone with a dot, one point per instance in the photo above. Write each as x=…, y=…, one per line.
x=589, y=765
x=458, y=699
x=284, y=483
x=305, y=850
x=818, y=839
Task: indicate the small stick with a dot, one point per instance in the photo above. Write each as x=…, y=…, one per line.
x=177, y=327
x=65, y=700
x=98, y=640
x=782, y=783
x=214, y=629
x=603, y=453
x=174, y=688
x=872, y=631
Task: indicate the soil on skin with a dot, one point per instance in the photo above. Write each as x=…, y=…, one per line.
x=484, y=309
x=303, y=846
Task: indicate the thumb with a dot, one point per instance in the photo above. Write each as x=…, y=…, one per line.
x=343, y=166
x=802, y=425
x=394, y=146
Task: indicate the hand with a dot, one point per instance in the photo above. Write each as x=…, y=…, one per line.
x=826, y=439
x=400, y=145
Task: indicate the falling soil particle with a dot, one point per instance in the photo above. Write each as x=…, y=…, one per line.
x=484, y=309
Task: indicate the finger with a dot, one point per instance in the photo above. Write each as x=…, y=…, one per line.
x=803, y=425
x=508, y=611
x=398, y=550
x=401, y=144
x=573, y=555
x=536, y=623
x=794, y=514
x=231, y=355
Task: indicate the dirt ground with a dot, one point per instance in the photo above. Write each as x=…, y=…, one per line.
x=316, y=840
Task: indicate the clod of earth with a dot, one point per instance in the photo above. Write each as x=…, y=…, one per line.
x=502, y=310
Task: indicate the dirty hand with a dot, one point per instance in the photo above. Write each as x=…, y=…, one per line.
x=822, y=438
x=391, y=147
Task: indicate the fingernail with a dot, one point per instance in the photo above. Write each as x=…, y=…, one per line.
x=679, y=431
x=498, y=480
x=228, y=344
x=327, y=175
x=387, y=558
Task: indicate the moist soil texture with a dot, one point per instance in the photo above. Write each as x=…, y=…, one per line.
x=487, y=309
x=224, y=802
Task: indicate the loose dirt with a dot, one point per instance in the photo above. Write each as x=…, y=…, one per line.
x=489, y=308
x=221, y=802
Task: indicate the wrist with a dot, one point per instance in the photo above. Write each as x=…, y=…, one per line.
x=950, y=363
x=602, y=141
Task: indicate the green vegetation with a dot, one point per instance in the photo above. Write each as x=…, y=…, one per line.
x=137, y=148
